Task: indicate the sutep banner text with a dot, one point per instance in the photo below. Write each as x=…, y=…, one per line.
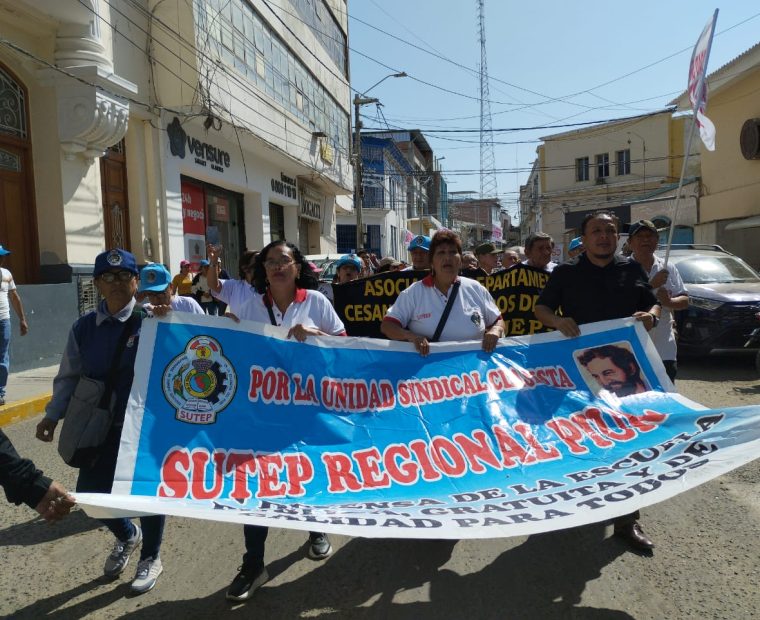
x=365, y=437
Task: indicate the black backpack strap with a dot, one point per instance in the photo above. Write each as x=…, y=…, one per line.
x=446, y=312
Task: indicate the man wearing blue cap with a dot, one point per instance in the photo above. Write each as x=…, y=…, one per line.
x=156, y=285
x=102, y=346
x=419, y=250
x=348, y=268
x=8, y=292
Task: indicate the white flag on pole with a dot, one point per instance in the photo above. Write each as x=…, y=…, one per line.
x=698, y=83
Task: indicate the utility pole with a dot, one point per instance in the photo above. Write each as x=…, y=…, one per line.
x=358, y=102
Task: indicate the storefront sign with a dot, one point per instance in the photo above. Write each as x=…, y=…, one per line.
x=221, y=209
x=193, y=223
x=311, y=204
x=203, y=152
x=193, y=209
x=285, y=186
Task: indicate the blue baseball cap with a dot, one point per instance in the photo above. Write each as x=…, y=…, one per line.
x=154, y=278
x=420, y=241
x=115, y=259
x=349, y=259
x=575, y=244
x=3, y=251
x=204, y=263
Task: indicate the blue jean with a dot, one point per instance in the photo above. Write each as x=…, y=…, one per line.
x=98, y=478
x=5, y=355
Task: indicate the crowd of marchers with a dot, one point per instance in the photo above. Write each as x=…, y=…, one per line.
x=278, y=286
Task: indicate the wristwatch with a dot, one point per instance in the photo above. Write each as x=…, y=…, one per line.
x=655, y=319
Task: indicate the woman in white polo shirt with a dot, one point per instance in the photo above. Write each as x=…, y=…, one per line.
x=419, y=313
x=285, y=295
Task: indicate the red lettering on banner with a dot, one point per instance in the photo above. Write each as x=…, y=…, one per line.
x=568, y=433
x=175, y=471
x=624, y=433
x=357, y=396
x=429, y=473
x=448, y=458
x=270, y=386
x=406, y=472
x=270, y=466
x=476, y=449
x=339, y=474
x=304, y=394
x=368, y=462
x=240, y=465
x=300, y=470
x=512, y=453
x=647, y=421
x=582, y=420
x=186, y=474
x=456, y=386
x=539, y=452
x=201, y=460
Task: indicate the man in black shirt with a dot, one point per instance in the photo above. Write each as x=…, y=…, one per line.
x=598, y=285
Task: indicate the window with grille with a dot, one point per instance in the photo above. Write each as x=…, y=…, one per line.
x=346, y=237
x=581, y=169
x=602, y=165
x=623, y=162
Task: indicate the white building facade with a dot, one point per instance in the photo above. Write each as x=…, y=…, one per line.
x=160, y=127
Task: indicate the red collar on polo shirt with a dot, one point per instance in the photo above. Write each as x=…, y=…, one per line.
x=428, y=280
x=298, y=299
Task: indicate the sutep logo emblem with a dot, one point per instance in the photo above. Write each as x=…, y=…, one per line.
x=200, y=382
x=114, y=258
x=177, y=138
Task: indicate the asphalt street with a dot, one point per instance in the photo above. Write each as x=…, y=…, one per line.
x=706, y=563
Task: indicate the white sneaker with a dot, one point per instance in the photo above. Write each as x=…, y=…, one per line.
x=147, y=574
x=117, y=561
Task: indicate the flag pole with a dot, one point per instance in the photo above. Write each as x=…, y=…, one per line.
x=696, y=107
x=674, y=212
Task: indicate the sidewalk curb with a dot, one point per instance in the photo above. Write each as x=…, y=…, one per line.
x=23, y=409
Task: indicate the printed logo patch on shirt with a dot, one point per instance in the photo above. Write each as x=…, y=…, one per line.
x=475, y=317
x=426, y=315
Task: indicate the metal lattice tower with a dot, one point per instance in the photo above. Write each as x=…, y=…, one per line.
x=487, y=160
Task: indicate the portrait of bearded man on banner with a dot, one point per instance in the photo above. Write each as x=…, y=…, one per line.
x=613, y=368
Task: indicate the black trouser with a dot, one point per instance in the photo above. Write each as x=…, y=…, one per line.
x=98, y=478
x=255, y=540
x=627, y=519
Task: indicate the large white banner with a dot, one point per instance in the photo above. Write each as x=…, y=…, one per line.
x=364, y=437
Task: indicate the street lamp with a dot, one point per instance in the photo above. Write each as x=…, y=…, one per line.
x=644, y=149
x=360, y=100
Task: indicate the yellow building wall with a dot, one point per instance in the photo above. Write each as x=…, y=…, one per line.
x=731, y=183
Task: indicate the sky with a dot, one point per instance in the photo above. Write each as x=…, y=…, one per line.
x=550, y=62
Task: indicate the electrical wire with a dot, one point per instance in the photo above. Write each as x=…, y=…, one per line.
x=236, y=121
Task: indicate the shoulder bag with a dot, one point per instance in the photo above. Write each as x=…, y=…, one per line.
x=89, y=415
